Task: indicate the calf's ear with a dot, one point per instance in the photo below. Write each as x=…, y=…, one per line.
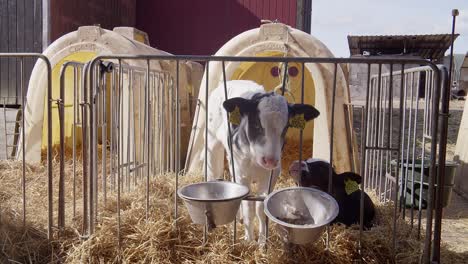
x=299, y=114
x=350, y=176
x=237, y=107
x=244, y=105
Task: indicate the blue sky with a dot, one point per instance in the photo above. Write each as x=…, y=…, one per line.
x=334, y=20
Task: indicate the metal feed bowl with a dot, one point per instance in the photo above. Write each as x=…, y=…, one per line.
x=213, y=203
x=300, y=213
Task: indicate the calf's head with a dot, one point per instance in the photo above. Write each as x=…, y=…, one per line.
x=311, y=173
x=263, y=121
x=315, y=173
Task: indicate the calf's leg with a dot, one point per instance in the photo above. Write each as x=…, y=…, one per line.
x=263, y=190
x=261, y=223
x=248, y=215
x=215, y=157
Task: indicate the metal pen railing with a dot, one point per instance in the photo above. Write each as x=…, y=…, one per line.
x=118, y=107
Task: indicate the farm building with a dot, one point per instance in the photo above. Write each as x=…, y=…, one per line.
x=459, y=72
x=463, y=74
x=429, y=47
x=107, y=141
x=31, y=25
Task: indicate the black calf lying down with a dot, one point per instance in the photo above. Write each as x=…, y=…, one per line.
x=345, y=189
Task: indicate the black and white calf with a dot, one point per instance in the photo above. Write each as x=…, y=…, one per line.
x=259, y=121
x=345, y=189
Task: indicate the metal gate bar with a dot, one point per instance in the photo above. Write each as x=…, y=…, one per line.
x=379, y=147
x=43, y=58
x=135, y=151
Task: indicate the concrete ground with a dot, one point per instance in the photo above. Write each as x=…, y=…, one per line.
x=455, y=224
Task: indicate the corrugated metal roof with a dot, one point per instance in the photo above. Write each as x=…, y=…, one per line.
x=425, y=46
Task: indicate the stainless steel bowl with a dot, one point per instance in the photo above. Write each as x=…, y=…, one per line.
x=213, y=203
x=300, y=213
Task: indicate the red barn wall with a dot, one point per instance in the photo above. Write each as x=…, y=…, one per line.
x=67, y=16
x=202, y=27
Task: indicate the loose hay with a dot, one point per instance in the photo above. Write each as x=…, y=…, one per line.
x=160, y=240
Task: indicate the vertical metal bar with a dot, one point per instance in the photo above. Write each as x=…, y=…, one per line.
x=165, y=102
x=91, y=150
x=112, y=129
x=5, y=136
x=121, y=130
x=61, y=190
x=84, y=146
x=5, y=126
x=408, y=141
x=129, y=122
x=140, y=132
x=171, y=124
x=403, y=163
x=95, y=101
x=206, y=137
x=390, y=127
x=151, y=111
x=391, y=154
x=104, y=137
x=75, y=87
x=23, y=161
x=136, y=136
x=119, y=126
x=206, y=120
x=415, y=128
x=370, y=133
x=158, y=117
x=154, y=132
x=432, y=105
x=49, y=150
x=95, y=104
x=178, y=156
x=228, y=125
x=142, y=127
x=285, y=77
x=433, y=169
x=301, y=132
x=382, y=136
x=377, y=128
x=150, y=149
x=365, y=135
x=332, y=131
x=233, y=174
x=147, y=131
x=397, y=184
x=176, y=206
x=363, y=158
x=374, y=134
x=442, y=156
x=270, y=179
x=163, y=124
x=443, y=144
x=427, y=87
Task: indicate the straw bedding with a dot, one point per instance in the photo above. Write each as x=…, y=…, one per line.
x=160, y=240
